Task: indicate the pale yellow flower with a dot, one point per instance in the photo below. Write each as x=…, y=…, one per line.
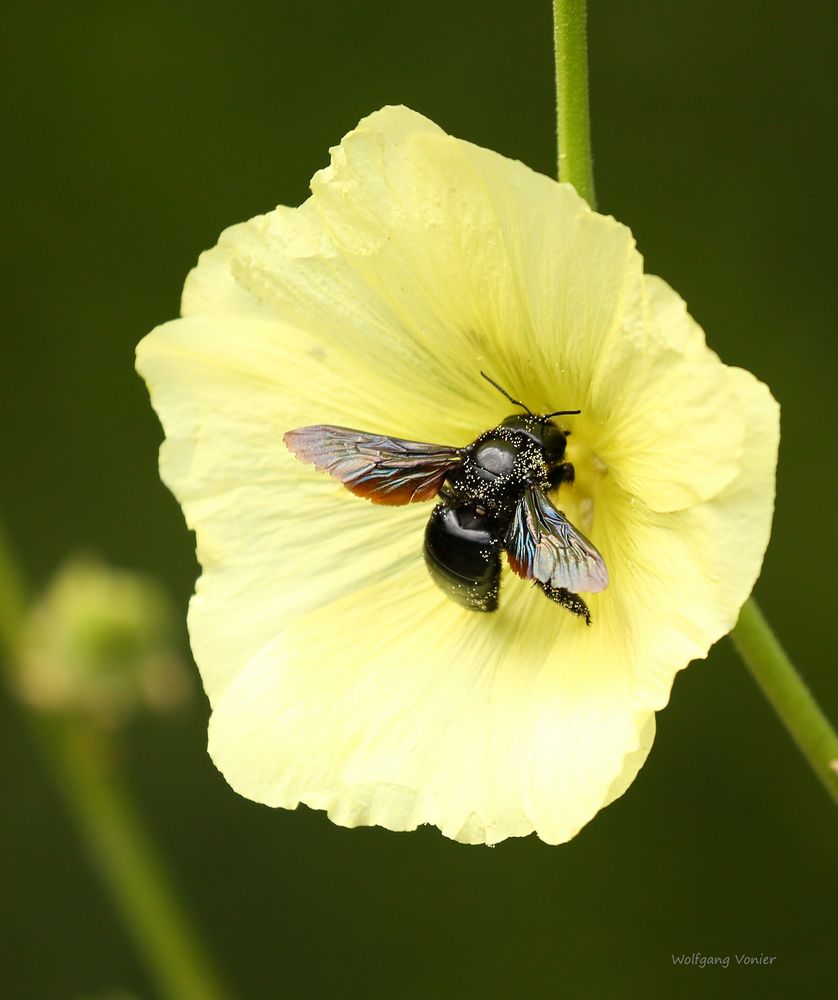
x=339, y=675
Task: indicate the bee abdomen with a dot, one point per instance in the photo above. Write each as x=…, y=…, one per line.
x=462, y=553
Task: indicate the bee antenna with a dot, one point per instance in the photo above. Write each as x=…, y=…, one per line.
x=503, y=391
x=560, y=413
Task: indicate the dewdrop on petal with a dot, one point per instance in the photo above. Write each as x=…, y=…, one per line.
x=101, y=642
x=339, y=674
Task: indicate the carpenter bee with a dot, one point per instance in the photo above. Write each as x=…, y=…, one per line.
x=493, y=496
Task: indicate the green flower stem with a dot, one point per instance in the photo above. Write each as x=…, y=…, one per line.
x=109, y=825
x=752, y=636
x=783, y=686
x=128, y=864
x=570, y=20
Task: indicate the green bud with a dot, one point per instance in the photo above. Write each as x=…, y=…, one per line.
x=102, y=642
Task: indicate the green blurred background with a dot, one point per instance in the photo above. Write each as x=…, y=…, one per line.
x=136, y=133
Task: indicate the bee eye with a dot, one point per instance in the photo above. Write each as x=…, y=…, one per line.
x=554, y=441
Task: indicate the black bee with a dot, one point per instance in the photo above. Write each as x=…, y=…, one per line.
x=493, y=496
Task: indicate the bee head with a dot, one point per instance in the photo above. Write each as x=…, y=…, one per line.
x=542, y=430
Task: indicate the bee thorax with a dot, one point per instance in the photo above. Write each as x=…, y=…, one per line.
x=496, y=470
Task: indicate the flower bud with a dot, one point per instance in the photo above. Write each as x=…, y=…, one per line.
x=101, y=642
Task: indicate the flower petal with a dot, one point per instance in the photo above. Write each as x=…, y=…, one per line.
x=695, y=568
x=447, y=258
x=273, y=540
x=488, y=726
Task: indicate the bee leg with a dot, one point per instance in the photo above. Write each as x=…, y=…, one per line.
x=571, y=602
x=564, y=473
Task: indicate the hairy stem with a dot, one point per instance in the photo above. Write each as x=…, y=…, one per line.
x=570, y=20
x=109, y=824
x=783, y=686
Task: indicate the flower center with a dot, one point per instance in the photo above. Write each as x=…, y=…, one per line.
x=580, y=500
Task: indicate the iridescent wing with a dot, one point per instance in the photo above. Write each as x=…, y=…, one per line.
x=383, y=469
x=543, y=545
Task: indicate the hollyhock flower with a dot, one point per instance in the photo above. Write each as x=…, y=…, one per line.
x=339, y=674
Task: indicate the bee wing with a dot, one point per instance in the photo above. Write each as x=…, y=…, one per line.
x=543, y=545
x=383, y=469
